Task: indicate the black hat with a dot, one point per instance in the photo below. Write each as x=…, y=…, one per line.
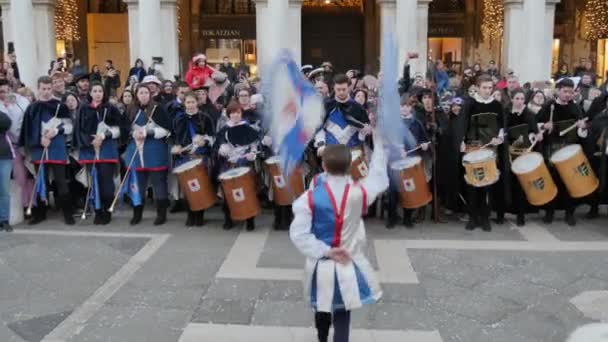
x=81, y=77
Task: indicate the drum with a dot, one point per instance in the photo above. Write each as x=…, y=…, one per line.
x=575, y=171
x=195, y=183
x=534, y=178
x=480, y=168
x=358, y=165
x=284, y=193
x=240, y=193
x=414, y=191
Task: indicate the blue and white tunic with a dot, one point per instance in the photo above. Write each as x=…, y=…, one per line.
x=155, y=153
x=330, y=215
x=337, y=130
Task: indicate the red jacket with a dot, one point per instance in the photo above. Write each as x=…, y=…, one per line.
x=197, y=76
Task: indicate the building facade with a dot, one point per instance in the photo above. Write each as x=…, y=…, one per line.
x=532, y=37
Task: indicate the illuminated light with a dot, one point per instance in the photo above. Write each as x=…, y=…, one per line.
x=66, y=20
x=492, y=23
x=596, y=15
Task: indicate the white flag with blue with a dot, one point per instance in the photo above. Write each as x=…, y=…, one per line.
x=131, y=188
x=40, y=187
x=294, y=110
x=94, y=195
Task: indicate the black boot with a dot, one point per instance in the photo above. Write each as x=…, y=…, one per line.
x=593, y=213
x=521, y=220
x=286, y=217
x=68, y=213
x=161, y=212
x=138, y=212
x=178, y=206
x=371, y=211
x=38, y=214
x=500, y=217
x=322, y=323
x=190, y=219
x=98, y=217
x=407, y=219
x=485, y=224
x=392, y=220
x=250, y=226
x=570, y=220
x=199, y=218
x=276, y=224
x=106, y=217
x=548, y=216
x=472, y=223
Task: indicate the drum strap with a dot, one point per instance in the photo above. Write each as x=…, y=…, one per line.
x=364, y=205
x=339, y=215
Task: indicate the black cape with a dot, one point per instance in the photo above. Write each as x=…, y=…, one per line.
x=86, y=122
x=32, y=120
x=201, y=122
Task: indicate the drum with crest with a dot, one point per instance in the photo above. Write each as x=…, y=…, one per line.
x=414, y=190
x=480, y=168
x=575, y=171
x=240, y=194
x=534, y=178
x=519, y=140
x=284, y=191
x=194, y=181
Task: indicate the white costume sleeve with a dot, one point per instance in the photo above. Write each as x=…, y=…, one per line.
x=67, y=126
x=115, y=130
x=160, y=132
x=300, y=230
x=377, y=180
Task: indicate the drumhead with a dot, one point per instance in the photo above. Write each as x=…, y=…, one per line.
x=273, y=160
x=565, y=153
x=478, y=156
x=527, y=162
x=405, y=163
x=234, y=173
x=187, y=166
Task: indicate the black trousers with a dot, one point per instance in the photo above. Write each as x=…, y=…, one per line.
x=478, y=202
x=341, y=322
x=59, y=176
x=105, y=177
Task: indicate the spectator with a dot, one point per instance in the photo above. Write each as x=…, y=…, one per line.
x=536, y=102
x=199, y=72
x=111, y=79
x=58, y=86
x=138, y=70
x=228, y=69
x=153, y=84
x=77, y=68
x=6, y=165
x=493, y=69
x=95, y=74
x=562, y=72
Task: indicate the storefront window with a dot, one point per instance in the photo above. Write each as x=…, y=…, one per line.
x=238, y=51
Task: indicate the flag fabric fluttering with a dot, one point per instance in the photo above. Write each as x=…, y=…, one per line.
x=94, y=195
x=40, y=187
x=131, y=188
x=390, y=124
x=293, y=108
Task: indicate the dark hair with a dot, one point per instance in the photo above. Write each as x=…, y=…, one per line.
x=336, y=159
x=4, y=82
x=123, y=95
x=180, y=84
x=140, y=86
x=483, y=78
x=67, y=94
x=233, y=107
x=109, y=61
x=94, y=84
x=360, y=90
x=243, y=89
x=191, y=94
x=518, y=91
x=44, y=80
x=341, y=79
x=565, y=83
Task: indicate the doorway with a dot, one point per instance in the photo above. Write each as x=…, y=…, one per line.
x=108, y=38
x=448, y=49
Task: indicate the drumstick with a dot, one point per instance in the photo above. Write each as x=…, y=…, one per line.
x=43, y=157
x=414, y=149
x=564, y=132
x=532, y=147
x=122, y=183
x=86, y=203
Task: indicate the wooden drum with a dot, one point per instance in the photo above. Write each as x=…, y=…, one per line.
x=284, y=193
x=194, y=181
x=358, y=165
x=480, y=168
x=575, y=171
x=534, y=178
x=414, y=191
x=240, y=193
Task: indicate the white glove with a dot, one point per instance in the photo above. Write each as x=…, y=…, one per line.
x=198, y=140
x=403, y=154
x=320, y=151
x=250, y=156
x=224, y=150
x=267, y=141
x=463, y=147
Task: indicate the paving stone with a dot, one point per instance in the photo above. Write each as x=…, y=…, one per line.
x=232, y=289
x=127, y=246
x=182, y=298
x=401, y=316
x=292, y=291
x=224, y=311
x=34, y=329
x=283, y=313
x=513, y=286
x=9, y=241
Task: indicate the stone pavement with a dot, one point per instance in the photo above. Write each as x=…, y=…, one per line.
x=441, y=283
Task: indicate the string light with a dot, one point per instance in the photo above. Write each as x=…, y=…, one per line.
x=596, y=13
x=492, y=23
x=66, y=20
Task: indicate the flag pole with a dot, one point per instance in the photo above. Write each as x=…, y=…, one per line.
x=122, y=183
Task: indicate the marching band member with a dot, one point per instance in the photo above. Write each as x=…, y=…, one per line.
x=520, y=116
x=345, y=121
x=328, y=229
x=98, y=126
x=484, y=125
x=194, y=136
x=562, y=109
x=237, y=146
x=419, y=133
x=147, y=151
x=46, y=123
x=598, y=137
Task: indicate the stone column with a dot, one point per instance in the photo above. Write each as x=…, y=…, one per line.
x=261, y=26
x=44, y=18
x=529, y=32
x=388, y=17
x=170, y=40
x=272, y=29
x=133, y=12
x=19, y=16
x=295, y=29
x=7, y=30
x=149, y=32
x=422, y=24
x=407, y=29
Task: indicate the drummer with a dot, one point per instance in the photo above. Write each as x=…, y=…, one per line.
x=237, y=145
x=484, y=126
x=553, y=117
x=419, y=133
x=522, y=131
x=194, y=136
x=598, y=138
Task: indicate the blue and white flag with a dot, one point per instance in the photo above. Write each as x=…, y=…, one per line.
x=94, y=196
x=294, y=110
x=131, y=188
x=40, y=187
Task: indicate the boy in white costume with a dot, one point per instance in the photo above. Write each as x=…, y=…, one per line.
x=328, y=229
